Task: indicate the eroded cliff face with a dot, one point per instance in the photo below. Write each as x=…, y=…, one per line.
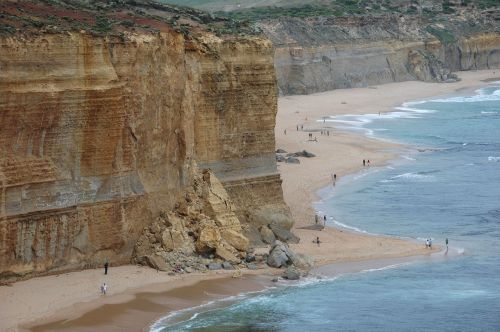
x=320, y=54
x=99, y=135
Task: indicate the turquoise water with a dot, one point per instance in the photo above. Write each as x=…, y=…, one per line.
x=451, y=191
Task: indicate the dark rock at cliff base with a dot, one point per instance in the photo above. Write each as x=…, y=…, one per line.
x=267, y=235
x=305, y=153
x=279, y=255
x=291, y=273
x=302, y=261
x=283, y=234
x=214, y=266
x=292, y=160
x=280, y=151
x=252, y=266
x=227, y=266
x=280, y=158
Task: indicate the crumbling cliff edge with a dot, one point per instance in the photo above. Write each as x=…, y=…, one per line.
x=102, y=134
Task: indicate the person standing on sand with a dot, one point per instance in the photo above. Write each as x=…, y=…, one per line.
x=297, y=127
x=427, y=243
x=104, y=289
x=106, y=265
x=317, y=240
x=364, y=162
x=368, y=162
x=446, y=243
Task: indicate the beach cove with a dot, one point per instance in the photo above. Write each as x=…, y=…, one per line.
x=340, y=153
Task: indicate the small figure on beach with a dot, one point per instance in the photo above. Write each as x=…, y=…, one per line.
x=106, y=265
x=324, y=219
x=310, y=135
x=368, y=162
x=446, y=241
x=297, y=127
x=104, y=289
x=430, y=243
x=427, y=243
x=315, y=139
x=364, y=162
x=316, y=218
x=317, y=241
x=301, y=127
x=284, y=131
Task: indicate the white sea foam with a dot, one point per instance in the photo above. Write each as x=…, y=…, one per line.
x=163, y=322
x=352, y=228
x=409, y=158
x=481, y=95
x=485, y=112
x=388, y=267
x=495, y=159
x=414, y=177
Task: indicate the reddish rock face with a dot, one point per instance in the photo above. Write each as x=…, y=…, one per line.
x=98, y=135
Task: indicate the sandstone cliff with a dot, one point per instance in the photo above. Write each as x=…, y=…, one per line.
x=325, y=53
x=101, y=133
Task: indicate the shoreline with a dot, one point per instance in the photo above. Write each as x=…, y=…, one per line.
x=345, y=246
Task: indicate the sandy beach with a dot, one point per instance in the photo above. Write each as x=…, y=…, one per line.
x=73, y=299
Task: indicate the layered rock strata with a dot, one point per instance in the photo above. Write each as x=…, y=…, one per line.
x=325, y=53
x=100, y=134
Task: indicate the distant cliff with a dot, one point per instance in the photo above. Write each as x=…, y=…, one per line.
x=325, y=53
x=103, y=129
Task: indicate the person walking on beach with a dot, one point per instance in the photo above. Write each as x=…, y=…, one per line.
x=284, y=131
x=368, y=162
x=364, y=162
x=104, y=289
x=317, y=241
x=297, y=127
x=427, y=243
x=430, y=243
x=316, y=218
x=106, y=265
x=324, y=220
x=446, y=241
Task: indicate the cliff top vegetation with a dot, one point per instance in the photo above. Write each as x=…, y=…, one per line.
x=255, y=10
x=100, y=17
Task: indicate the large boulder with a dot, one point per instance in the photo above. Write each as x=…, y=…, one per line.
x=173, y=239
x=302, y=261
x=235, y=239
x=283, y=234
x=279, y=255
x=227, y=255
x=267, y=235
x=155, y=261
x=291, y=273
x=305, y=153
x=208, y=239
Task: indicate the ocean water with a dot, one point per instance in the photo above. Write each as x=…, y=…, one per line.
x=447, y=188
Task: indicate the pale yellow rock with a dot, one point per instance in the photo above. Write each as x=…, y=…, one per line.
x=235, y=239
x=226, y=255
x=209, y=238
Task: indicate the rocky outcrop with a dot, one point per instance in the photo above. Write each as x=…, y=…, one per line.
x=326, y=53
x=101, y=134
x=202, y=227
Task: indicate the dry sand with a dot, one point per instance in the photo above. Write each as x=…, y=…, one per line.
x=75, y=296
